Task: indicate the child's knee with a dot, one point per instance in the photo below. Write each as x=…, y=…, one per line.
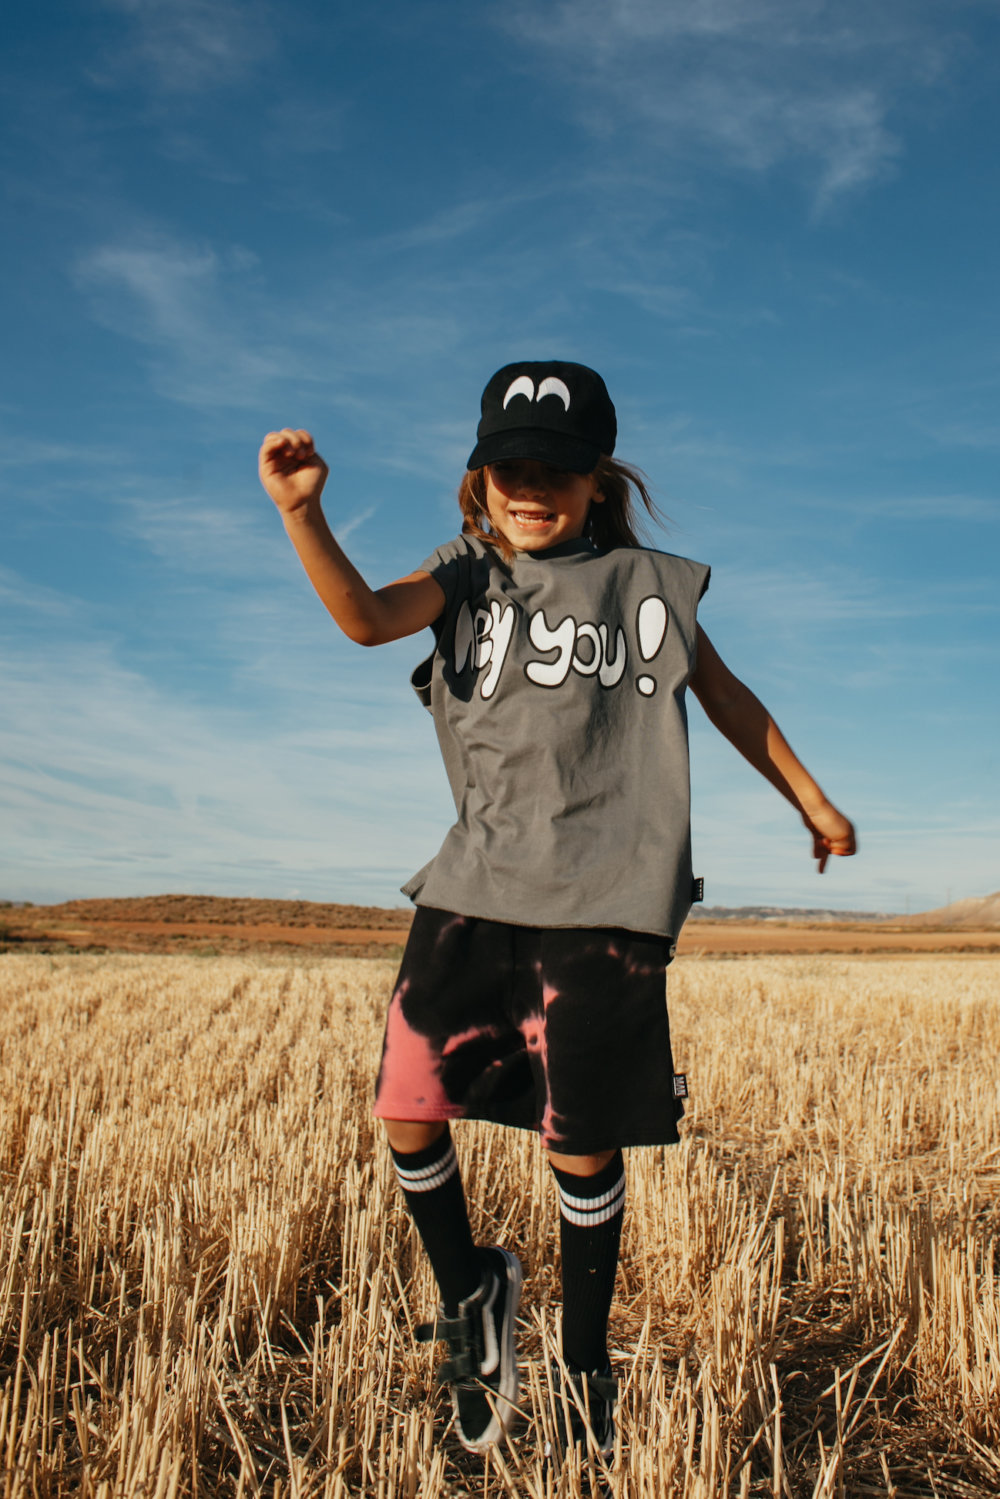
x=410, y=1135
x=580, y=1165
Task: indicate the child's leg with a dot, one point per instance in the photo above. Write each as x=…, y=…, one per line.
x=591, y=1204
x=479, y=1288
x=427, y=1171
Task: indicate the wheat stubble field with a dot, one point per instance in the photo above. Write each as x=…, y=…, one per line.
x=208, y=1285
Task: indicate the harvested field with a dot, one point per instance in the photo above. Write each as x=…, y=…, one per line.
x=208, y=1285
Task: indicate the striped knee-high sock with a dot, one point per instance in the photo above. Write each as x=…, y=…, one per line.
x=590, y=1230
x=432, y=1186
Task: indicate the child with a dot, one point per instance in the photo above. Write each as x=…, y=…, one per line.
x=531, y=990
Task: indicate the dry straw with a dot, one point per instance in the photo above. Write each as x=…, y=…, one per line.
x=208, y=1286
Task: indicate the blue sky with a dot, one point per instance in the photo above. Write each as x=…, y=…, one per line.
x=771, y=224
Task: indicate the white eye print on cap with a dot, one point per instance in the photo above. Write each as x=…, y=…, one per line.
x=522, y=386
x=553, y=386
x=525, y=386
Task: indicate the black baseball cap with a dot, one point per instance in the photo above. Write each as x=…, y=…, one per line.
x=555, y=412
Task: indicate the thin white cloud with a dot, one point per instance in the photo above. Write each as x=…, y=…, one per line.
x=806, y=601
x=18, y=594
x=751, y=83
x=746, y=838
x=833, y=636
x=33, y=453
x=166, y=279
x=305, y=127
x=189, y=46
x=220, y=337
x=947, y=508
x=448, y=224
x=182, y=302
x=105, y=774
x=198, y=536
x=219, y=333
x=352, y=523
x=236, y=542
x=983, y=434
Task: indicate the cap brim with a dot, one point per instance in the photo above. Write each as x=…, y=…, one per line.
x=553, y=448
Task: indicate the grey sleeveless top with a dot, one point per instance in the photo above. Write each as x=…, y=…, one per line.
x=557, y=688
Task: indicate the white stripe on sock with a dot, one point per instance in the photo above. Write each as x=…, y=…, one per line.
x=592, y=1202
x=426, y=1178
x=603, y=1211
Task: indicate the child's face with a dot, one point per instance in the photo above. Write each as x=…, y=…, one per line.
x=535, y=506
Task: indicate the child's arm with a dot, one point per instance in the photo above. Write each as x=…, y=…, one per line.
x=746, y=723
x=293, y=474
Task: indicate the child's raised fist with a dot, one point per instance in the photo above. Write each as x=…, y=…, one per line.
x=291, y=470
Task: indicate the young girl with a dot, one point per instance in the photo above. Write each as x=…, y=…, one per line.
x=532, y=986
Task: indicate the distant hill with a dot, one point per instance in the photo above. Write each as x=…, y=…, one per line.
x=189, y=918
x=251, y=911
x=784, y=915
x=226, y=910
x=979, y=911
x=213, y=926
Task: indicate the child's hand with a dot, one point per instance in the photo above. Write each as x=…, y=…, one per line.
x=291, y=470
x=831, y=834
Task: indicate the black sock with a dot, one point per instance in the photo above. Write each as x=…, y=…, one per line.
x=590, y=1231
x=432, y=1186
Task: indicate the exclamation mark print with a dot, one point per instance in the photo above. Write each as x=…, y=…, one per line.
x=652, y=626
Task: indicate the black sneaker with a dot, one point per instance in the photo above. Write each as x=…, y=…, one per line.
x=481, y=1370
x=585, y=1409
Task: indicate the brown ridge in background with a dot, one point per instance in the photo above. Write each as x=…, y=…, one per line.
x=207, y=924
x=214, y=924
x=229, y=910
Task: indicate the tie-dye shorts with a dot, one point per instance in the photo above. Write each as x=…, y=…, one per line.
x=560, y=1030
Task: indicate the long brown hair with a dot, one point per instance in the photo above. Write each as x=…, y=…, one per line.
x=615, y=523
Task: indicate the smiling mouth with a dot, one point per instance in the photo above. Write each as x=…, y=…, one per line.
x=533, y=517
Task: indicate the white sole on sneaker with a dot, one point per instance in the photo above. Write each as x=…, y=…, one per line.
x=504, y=1398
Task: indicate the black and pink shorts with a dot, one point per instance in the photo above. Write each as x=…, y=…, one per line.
x=559, y=1030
